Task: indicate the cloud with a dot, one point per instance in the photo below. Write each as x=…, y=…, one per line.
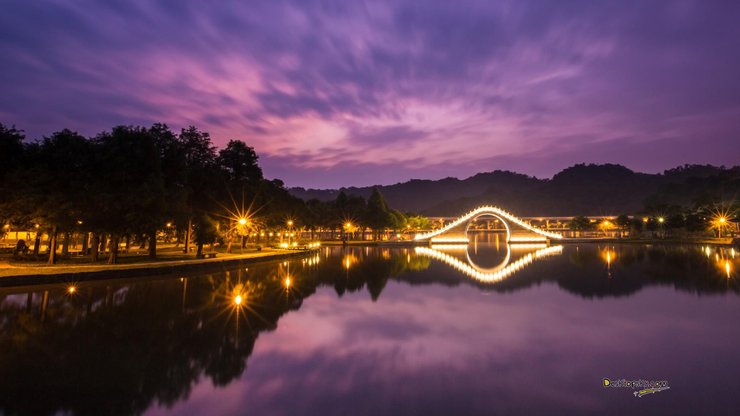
x=394, y=88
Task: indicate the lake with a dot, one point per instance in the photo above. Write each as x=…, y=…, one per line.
x=479, y=329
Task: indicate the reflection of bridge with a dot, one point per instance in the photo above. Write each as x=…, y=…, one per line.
x=495, y=274
x=517, y=230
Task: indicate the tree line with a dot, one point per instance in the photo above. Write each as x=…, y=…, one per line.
x=133, y=181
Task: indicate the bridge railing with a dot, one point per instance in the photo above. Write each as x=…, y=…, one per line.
x=488, y=209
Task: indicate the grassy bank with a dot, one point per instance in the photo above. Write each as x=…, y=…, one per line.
x=22, y=271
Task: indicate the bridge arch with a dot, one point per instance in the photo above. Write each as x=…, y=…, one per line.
x=489, y=214
x=457, y=230
x=488, y=270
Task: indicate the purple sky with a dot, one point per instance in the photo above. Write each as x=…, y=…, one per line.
x=352, y=93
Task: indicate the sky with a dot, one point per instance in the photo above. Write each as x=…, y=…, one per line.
x=340, y=93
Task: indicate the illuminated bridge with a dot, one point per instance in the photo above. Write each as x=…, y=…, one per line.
x=517, y=230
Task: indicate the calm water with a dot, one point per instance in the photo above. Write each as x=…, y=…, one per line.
x=483, y=329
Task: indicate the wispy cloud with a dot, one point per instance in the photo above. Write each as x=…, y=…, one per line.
x=396, y=88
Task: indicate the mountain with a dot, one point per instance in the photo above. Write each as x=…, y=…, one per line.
x=578, y=190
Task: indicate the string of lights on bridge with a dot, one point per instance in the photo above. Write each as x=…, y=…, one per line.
x=491, y=210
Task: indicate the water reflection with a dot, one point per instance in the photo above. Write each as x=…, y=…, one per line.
x=494, y=274
x=122, y=347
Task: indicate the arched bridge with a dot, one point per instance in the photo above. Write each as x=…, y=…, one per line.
x=517, y=230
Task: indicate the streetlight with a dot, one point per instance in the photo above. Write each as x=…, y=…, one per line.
x=721, y=223
x=241, y=230
x=289, y=234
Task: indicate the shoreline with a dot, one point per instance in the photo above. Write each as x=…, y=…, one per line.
x=28, y=276
x=727, y=242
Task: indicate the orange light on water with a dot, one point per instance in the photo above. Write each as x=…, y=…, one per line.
x=727, y=268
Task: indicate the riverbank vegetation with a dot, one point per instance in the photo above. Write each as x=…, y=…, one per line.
x=136, y=185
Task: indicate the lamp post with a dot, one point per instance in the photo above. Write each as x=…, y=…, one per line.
x=242, y=231
x=289, y=223
x=721, y=223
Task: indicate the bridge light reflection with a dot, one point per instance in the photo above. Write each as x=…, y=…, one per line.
x=489, y=277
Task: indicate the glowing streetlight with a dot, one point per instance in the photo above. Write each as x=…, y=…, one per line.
x=661, y=220
x=242, y=221
x=290, y=223
x=719, y=222
x=71, y=290
x=238, y=300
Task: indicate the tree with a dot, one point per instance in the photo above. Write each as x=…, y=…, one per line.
x=580, y=223
x=206, y=231
x=378, y=216
x=129, y=186
x=239, y=163
x=623, y=222
x=201, y=173
x=55, y=191
x=174, y=181
x=418, y=222
x=11, y=156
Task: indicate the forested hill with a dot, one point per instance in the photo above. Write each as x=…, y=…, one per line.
x=578, y=190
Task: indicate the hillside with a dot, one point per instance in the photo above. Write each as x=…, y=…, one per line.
x=578, y=190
